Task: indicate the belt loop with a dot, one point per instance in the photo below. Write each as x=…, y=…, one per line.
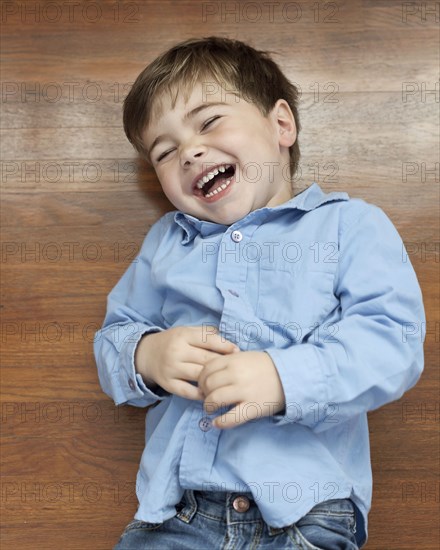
x=188, y=512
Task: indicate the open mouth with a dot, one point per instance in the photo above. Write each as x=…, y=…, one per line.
x=215, y=181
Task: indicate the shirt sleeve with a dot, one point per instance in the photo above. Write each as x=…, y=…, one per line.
x=375, y=352
x=133, y=310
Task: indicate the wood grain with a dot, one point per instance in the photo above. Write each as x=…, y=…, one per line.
x=77, y=202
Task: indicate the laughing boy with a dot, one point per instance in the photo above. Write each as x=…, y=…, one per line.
x=259, y=324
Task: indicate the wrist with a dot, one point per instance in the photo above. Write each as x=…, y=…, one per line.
x=277, y=387
x=142, y=355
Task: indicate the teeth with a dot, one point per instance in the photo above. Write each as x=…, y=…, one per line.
x=218, y=189
x=210, y=175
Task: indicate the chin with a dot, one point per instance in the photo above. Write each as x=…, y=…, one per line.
x=229, y=220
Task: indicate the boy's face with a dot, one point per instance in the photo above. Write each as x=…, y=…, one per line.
x=217, y=157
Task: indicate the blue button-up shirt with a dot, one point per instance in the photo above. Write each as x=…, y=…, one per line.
x=323, y=284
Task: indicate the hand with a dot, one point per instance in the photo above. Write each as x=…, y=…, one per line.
x=248, y=379
x=175, y=357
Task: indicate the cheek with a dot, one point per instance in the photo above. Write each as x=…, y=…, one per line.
x=232, y=133
x=172, y=193
x=248, y=139
x=174, y=197
x=166, y=181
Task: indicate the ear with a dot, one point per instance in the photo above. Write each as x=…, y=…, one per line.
x=285, y=122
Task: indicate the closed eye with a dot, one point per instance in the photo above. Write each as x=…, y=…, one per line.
x=164, y=154
x=204, y=126
x=209, y=121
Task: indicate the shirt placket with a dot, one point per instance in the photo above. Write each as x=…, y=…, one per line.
x=201, y=440
x=199, y=449
x=237, y=315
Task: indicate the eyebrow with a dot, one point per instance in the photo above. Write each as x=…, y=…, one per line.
x=188, y=116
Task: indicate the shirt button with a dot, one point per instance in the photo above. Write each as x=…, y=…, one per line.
x=205, y=424
x=236, y=236
x=131, y=384
x=241, y=504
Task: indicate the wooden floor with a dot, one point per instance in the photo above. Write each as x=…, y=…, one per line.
x=76, y=204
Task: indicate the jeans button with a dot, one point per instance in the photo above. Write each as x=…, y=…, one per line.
x=241, y=504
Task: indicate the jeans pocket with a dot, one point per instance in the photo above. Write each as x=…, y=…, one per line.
x=301, y=540
x=328, y=526
x=136, y=525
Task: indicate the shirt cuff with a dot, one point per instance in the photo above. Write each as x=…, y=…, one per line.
x=132, y=383
x=304, y=384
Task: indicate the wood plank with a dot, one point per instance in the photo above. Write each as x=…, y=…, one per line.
x=343, y=38
x=81, y=453
x=371, y=116
x=59, y=417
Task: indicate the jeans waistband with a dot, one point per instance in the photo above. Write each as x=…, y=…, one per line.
x=219, y=505
x=222, y=497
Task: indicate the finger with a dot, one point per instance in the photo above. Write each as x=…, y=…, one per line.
x=186, y=390
x=240, y=414
x=221, y=397
x=188, y=371
x=200, y=356
x=212, y=366
x=208, y=337
x=214, y=378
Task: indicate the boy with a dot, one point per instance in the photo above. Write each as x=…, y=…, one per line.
x=261, y=326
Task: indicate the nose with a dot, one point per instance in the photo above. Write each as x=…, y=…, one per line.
x=191, y=153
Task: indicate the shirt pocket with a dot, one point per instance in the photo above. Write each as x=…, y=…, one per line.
x=299, y=299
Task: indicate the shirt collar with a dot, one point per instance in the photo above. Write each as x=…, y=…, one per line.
x=307, y=200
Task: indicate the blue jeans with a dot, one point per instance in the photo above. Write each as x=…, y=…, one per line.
x=227, y=521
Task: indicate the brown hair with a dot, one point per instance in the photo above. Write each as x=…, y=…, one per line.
x=251, y=73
